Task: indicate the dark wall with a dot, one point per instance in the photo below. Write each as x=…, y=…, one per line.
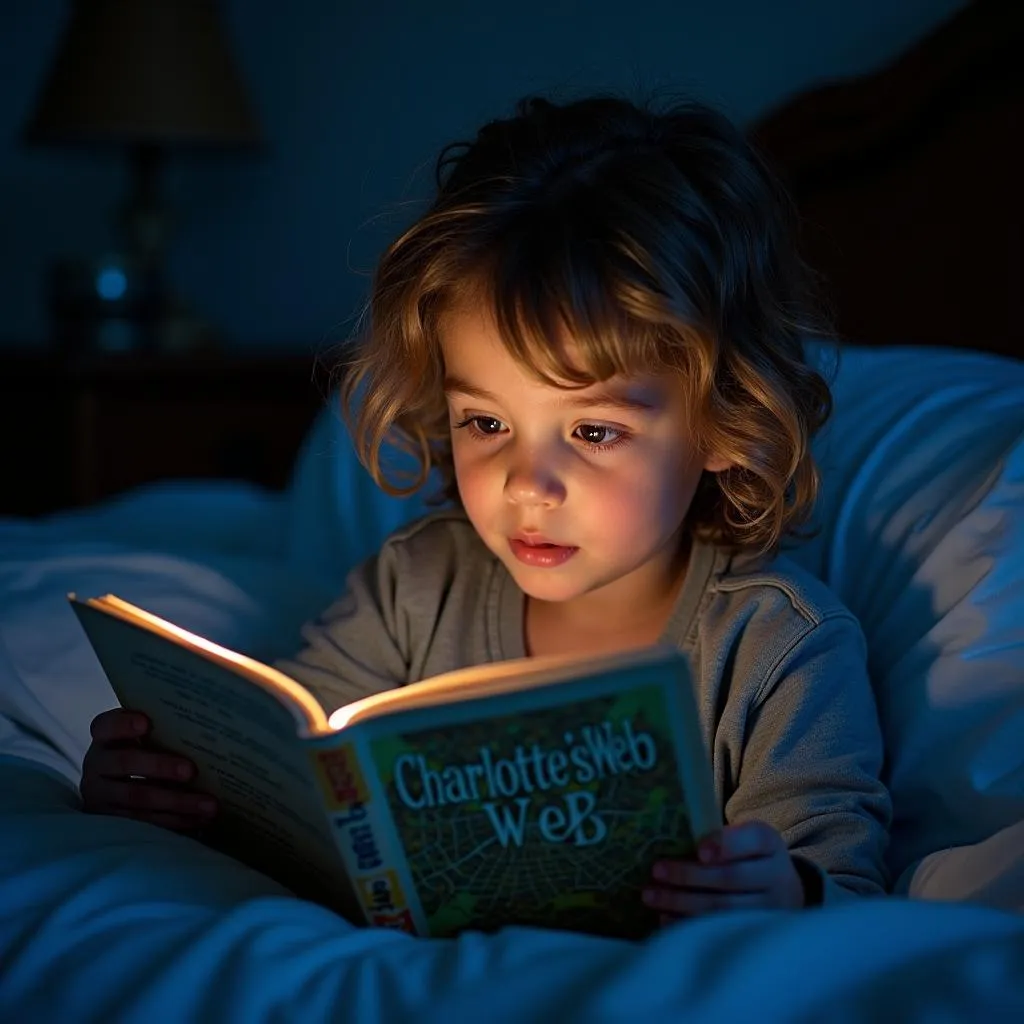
x=355, y=99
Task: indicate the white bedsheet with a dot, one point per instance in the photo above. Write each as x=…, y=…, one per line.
x=112, y=920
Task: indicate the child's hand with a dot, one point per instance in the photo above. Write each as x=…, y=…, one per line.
x=121, y=775
x=743, y=867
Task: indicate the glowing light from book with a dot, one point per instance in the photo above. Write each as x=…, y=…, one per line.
x=263, y=675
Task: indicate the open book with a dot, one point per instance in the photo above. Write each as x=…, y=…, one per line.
x=536, y=792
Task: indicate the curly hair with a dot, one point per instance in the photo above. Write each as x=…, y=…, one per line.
x=659, y=241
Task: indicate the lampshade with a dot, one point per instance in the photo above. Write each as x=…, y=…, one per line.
x=144, y=72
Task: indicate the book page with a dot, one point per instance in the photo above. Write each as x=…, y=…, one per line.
x=309, y=715
x=492, y=679
x=244, y=745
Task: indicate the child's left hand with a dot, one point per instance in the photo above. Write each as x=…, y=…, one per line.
x=742, y=867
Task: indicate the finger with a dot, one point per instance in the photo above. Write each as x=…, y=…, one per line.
x=739, y=842
x=117, y=724
x=688, y=903
x=139, y=796
x=122, y=762
x=752, y=875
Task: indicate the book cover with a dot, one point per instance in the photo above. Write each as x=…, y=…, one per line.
x=534, y=809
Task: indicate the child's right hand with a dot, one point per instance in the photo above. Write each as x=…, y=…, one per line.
x=123, y=775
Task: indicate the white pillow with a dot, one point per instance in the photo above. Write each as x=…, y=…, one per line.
x=990, y=873
x=336, y=515
x=922, y=536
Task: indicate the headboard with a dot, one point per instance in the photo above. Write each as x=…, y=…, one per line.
x=909, y=180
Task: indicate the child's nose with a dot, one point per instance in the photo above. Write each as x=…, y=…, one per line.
x=534, y=481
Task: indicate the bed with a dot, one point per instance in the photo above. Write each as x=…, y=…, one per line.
x=921, y=531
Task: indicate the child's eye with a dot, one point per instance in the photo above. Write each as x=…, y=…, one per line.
x=596, y=436
x=481, y=426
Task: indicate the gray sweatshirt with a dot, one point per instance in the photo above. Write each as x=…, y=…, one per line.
x=779, y=665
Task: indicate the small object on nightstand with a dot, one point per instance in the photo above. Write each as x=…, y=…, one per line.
x=112, y=305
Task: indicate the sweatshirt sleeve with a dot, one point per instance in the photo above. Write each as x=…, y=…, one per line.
x=359, y=645
x=810, y=767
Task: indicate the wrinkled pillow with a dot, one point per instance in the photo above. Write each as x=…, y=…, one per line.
x=337, y=517
x=922, y=537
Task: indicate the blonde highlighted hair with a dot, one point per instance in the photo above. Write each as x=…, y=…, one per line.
x=658, y=241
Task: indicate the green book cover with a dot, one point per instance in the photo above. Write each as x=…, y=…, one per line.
x=550, y=816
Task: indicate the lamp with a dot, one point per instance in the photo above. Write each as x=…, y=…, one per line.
x=147, y=77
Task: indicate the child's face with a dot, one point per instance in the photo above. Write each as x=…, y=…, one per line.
x=575, y=492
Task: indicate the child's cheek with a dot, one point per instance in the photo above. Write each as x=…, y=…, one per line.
x=479, y=490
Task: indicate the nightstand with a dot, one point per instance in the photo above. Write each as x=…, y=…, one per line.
x=75, y=432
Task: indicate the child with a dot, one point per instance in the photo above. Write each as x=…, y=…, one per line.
x=594, y=335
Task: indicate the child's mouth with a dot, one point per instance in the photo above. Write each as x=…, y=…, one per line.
x=541, y=554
